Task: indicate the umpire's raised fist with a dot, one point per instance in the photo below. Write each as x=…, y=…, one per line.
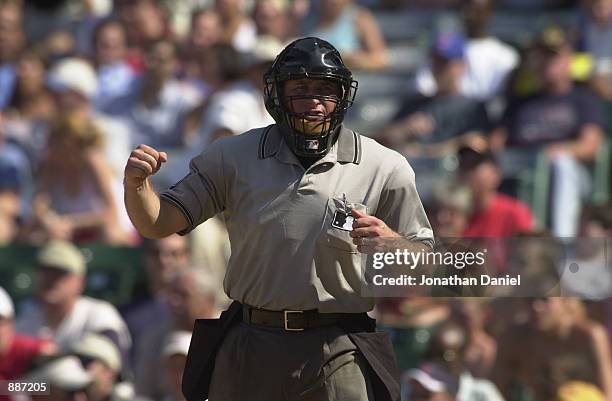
x=144, y=161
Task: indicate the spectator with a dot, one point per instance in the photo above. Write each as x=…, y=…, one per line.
x=43, y=17
x=488, y=60
x=101, y=359
x=450, y=208
x=74, y=85
x=57, y=45
x=595, y=35
x=16, y=184
x=173, y=359
x=62, y=313
x=74, y=198
x=238, y=29
x=427, y=128
x=562, y=344
x=480, y=349
x=144, y=19
x=494, y=215
x=352, y=29
x=536, y=257
x=12, y=40
x=211, y=250
x=440, y=122
x=431, y=382
x=31, y=105
x=205, y=32
x=18, y=353
x=156, y=106
x=448, y=349
x=179, y=13
x=146, y=22
x=563, y=120
x=237, y=104
x=162, y=260
x=192, y=296
x=272, y=18
x=586, y=271
x=115, y=75
x=67, y=380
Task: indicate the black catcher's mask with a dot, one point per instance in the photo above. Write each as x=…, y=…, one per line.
x=308, y=58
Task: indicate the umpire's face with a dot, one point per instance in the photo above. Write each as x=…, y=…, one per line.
x=312, y=100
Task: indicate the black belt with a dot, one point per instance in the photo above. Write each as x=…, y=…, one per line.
x=293, y=320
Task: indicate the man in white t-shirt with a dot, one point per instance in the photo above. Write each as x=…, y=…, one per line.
x=238, y=105
x=62, y=312
x=488, y=60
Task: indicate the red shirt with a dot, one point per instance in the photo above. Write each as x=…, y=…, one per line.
x=504, y=217
x=16, y=362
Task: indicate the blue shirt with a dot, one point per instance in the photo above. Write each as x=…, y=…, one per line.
x=7, y=84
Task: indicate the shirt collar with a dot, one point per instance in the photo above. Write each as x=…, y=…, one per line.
x=348, y=145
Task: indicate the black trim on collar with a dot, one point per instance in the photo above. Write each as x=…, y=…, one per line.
x=349, y=146
x=262, y=142
x=357, y=158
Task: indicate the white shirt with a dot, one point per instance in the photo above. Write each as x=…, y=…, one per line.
x=89, y=315
x=488, y=63
x=473, y=389
x=237, y=108
x=117, y=148
x=587, y=278
x=159, y=125
x=245, y=37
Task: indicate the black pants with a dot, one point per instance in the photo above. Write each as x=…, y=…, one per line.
x=257, y=363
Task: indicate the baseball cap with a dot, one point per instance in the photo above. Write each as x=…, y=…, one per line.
x=66, y=373
x=552, y=39
x=73, y=74
x=100, y=348
x=177, y=343
x=62, y=255
x=7, y=311
x=434, y=378
x=449, y=45
x=579, y=391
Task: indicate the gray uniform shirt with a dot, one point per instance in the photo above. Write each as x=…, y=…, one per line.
x=285, y=253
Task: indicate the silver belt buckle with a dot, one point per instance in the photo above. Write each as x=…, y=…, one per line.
x=286, y=317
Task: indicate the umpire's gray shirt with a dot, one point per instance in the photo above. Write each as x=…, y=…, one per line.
x=285, y=254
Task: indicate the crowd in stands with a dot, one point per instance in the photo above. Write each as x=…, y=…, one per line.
x=507, y=134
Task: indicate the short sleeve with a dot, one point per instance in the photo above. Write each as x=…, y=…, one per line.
x=409, y=106
x=400, y=206
x=523, y=218
x=591, y=109
x=508, y=115
x=201, y=193
x=481, y=120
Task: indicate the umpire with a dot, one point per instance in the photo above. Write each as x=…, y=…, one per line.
x=301, y=198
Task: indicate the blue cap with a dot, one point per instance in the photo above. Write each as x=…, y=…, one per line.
x=449, y=45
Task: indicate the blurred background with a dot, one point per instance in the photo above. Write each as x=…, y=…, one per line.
x=501, y=107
